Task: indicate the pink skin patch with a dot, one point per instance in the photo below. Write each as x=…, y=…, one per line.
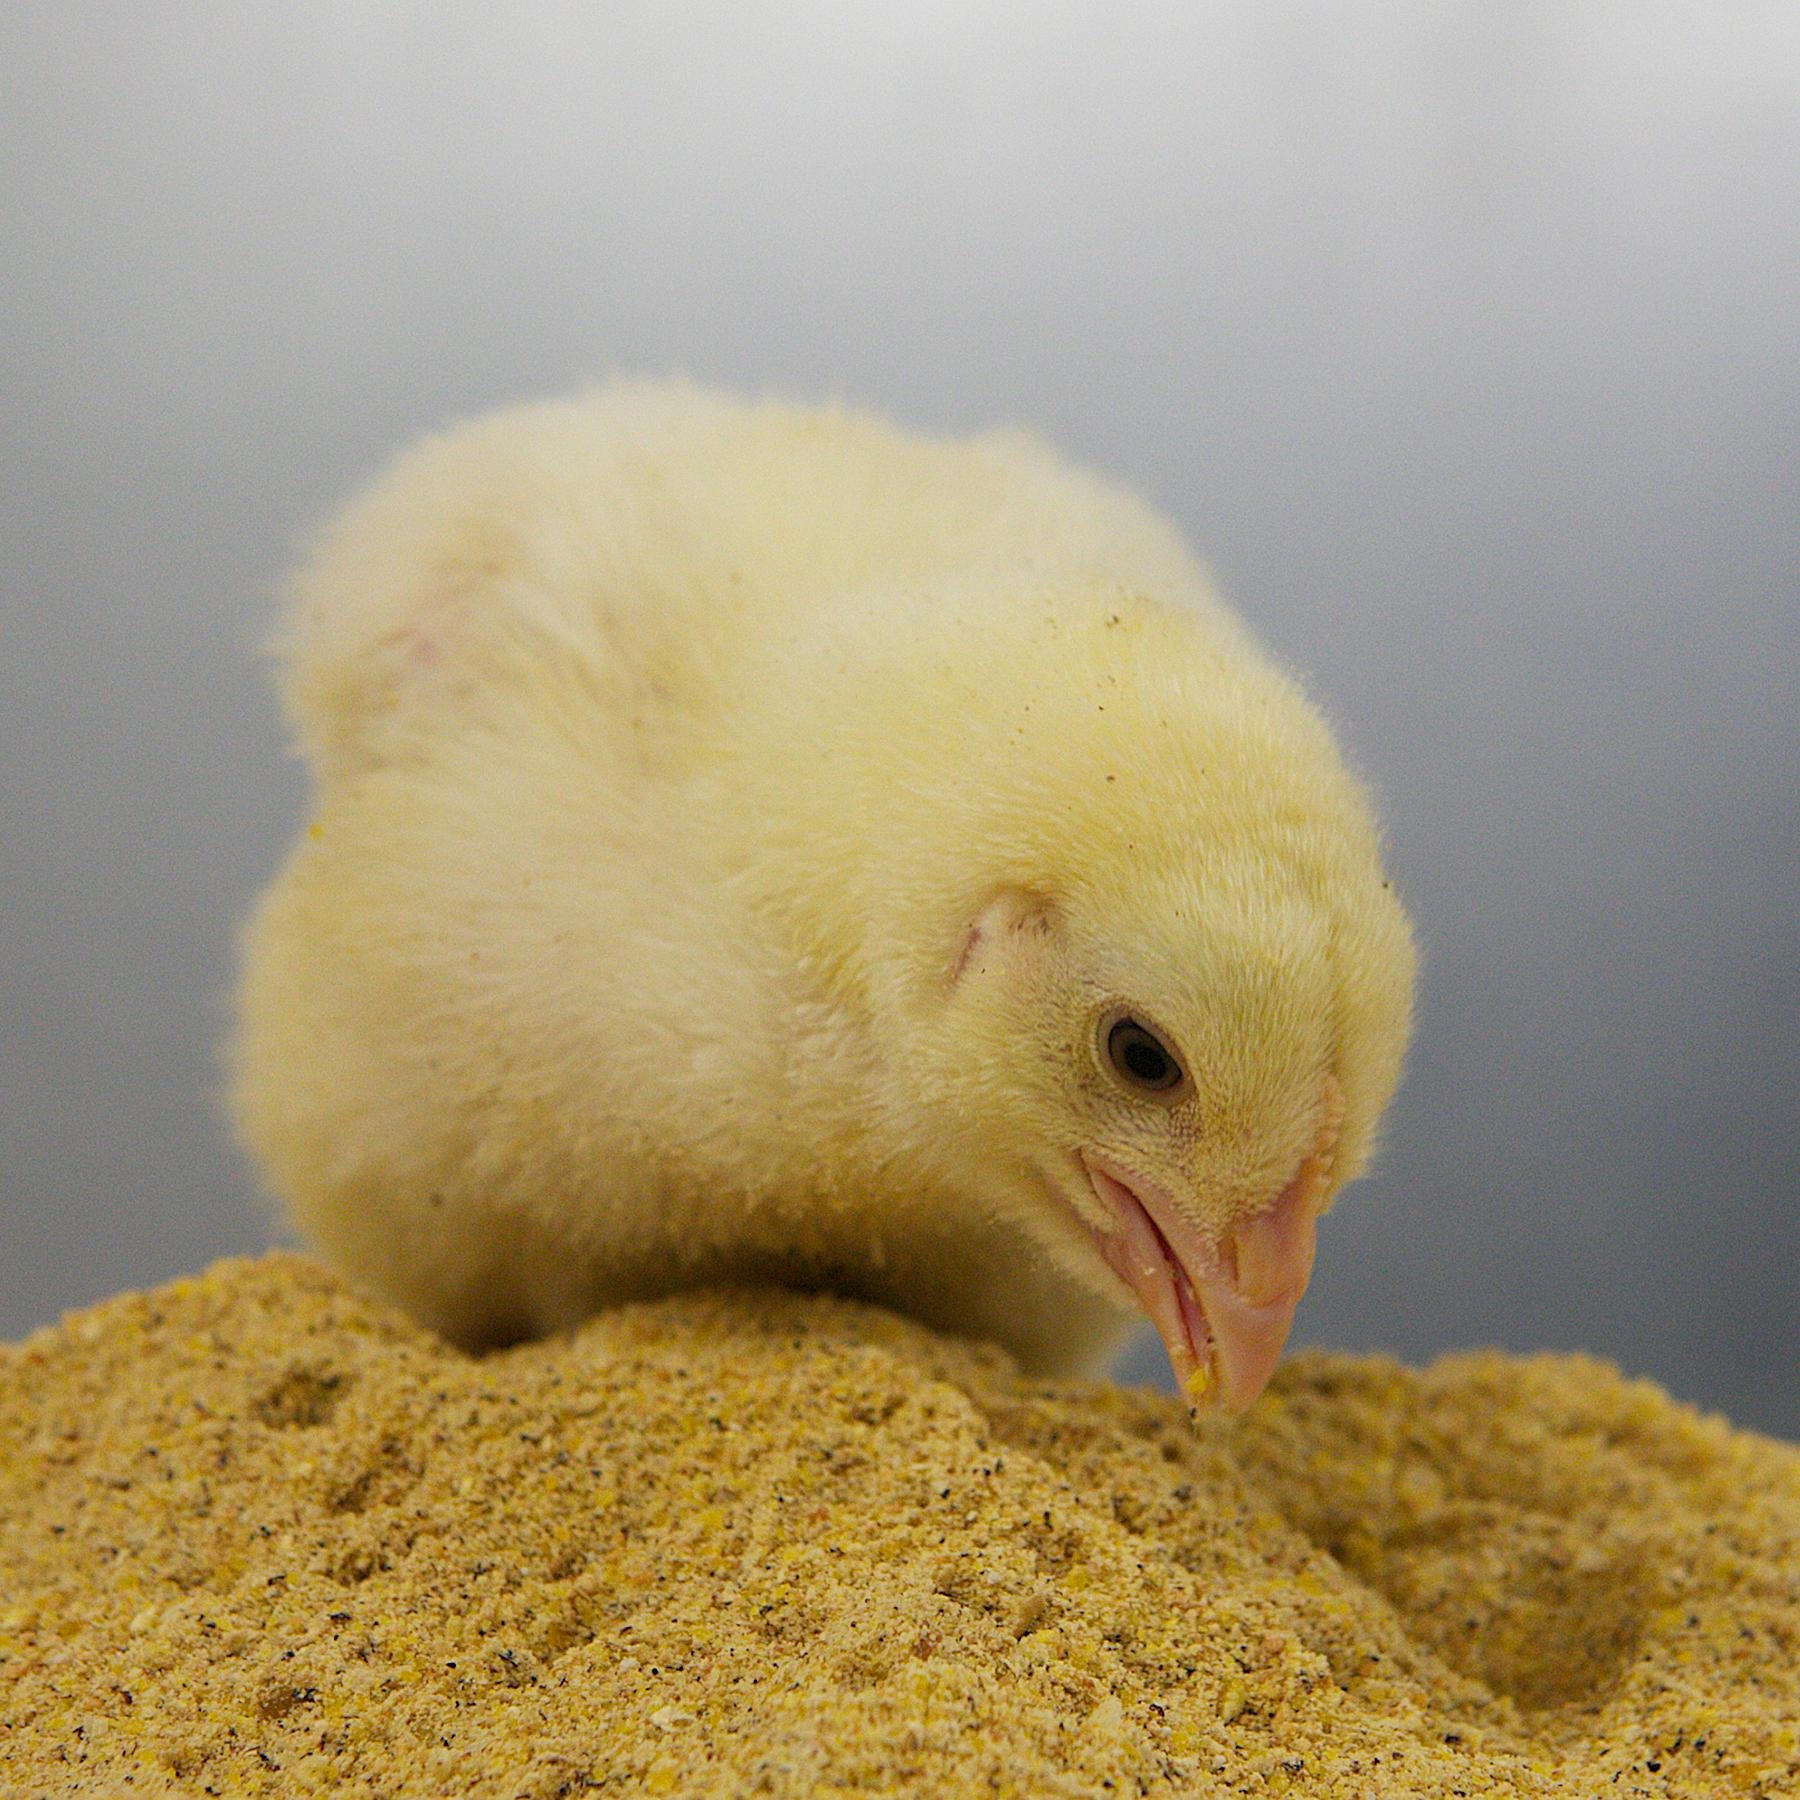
x=1222, y=1304
x=415, y=645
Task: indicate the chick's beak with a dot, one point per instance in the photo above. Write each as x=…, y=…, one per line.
x=1222, y=1304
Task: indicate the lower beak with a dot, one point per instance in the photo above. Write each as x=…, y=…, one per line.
x=1223, y=1305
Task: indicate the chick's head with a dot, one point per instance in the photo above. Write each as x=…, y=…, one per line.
x=1173, y=1002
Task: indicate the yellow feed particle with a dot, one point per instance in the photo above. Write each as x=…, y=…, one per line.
x=1198, y=1386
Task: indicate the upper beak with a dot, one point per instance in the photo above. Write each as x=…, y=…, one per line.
x=1222, y=1304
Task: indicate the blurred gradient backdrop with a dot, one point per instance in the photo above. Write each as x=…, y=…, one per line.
x=1461, y=339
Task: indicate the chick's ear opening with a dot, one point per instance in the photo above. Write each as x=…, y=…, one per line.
x=1013, y=922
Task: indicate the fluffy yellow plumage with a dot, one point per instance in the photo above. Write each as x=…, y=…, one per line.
x=754, y=843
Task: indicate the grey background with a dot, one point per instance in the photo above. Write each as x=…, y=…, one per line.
x=1462, y=338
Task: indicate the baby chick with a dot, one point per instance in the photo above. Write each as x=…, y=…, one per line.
x=753, y=843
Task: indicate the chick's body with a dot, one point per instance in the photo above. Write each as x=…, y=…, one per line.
x=730, y=822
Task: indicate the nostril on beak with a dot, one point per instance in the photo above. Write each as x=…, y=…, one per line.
x=1261, y=1268
x=1269, y=1257
x=1231, y=1261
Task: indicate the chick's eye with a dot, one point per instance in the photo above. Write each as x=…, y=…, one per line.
x=1140, y=1057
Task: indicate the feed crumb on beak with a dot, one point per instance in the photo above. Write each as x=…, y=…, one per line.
x=1199, y=1386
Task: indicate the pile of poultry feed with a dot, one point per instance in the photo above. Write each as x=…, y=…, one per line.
x=261, y=1536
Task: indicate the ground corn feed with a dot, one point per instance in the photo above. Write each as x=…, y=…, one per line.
x=261, y=1536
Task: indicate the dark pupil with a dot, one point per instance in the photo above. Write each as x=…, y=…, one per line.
x=1137, y=1054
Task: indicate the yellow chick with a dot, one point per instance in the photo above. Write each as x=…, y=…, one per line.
x=754, y=843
